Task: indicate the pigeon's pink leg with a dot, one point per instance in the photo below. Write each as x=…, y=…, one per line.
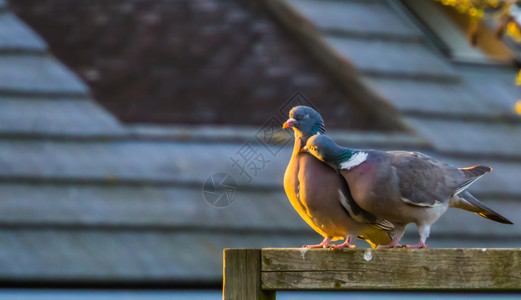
x=395, y=243
x=419, y=245
x=398, y=233
x=345, y=244
x=424, y=232
x=325, y=243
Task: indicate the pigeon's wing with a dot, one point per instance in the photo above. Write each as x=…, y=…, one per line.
x=424, y=181
x=358, y=214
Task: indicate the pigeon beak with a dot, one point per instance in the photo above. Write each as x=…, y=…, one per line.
x=304, y=150
x=289, y=123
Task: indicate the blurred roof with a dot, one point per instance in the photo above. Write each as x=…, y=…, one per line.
x=187, y=62
x=88, y=199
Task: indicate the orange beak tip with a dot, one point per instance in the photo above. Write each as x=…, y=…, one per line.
x=289, y=123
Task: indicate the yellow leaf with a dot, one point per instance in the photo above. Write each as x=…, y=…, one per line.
x=517, y=107
x=513, y=31
x=518, y=79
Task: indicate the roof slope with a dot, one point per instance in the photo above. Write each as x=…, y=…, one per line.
x=85, y=200
x=215, y=60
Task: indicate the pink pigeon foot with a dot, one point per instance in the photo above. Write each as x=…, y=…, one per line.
x=342, y=246
x=392, y=244
x=325, y=243
x=345, y=244
x=419, y=245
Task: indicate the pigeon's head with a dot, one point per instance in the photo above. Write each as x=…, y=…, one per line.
x=305, y=120
x=322, y=147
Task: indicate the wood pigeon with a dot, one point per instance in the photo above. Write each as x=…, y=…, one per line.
x=403, y=187
x=321, y=196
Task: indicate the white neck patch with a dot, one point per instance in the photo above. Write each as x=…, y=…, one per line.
x=353, y=161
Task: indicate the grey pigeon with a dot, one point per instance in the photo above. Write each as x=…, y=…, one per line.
x=403, y=187
x=321, y=196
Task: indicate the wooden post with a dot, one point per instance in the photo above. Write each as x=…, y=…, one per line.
x=392, y=269
x=256, y=274
x=242, y=273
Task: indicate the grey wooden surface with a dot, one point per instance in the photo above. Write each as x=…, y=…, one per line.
x=242, y=275
x=391, y=269
x=260, y=273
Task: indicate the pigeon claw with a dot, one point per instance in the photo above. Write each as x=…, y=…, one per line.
x=420, y=245
x=342, y=246
x=392, y=244
x=389, y=246
x=324, y=244
x=314, y=246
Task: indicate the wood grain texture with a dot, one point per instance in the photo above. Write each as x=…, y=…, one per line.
x=391, y=269
x=242, y=275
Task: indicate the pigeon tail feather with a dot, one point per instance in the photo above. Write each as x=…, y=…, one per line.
x=475, y=171
x=468, y=202
x=472, y=174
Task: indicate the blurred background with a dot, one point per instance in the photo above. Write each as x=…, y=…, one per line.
x=139, y=138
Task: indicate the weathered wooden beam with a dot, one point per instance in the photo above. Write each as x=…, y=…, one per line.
x=241, y=279
x=391, y=269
